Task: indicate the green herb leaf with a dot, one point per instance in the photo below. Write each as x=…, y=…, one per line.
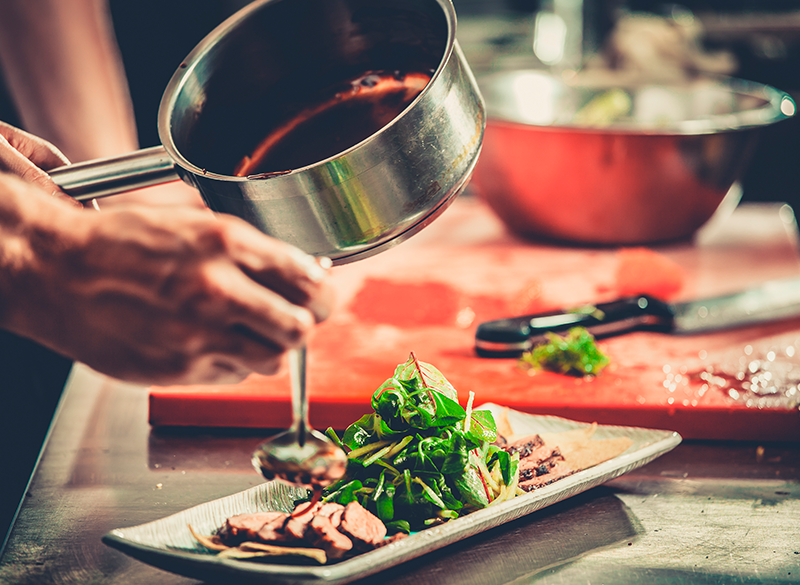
x=427, y=376
x=576, y=354
x=417, y=396
x=345, y=493
x=482, y=426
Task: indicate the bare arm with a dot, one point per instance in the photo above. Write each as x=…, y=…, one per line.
x=147, y=294
x=207, y=299
x=65, y=74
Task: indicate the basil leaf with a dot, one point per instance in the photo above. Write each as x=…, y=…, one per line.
x=345, y=494
x=504, y=458
x=470, y=488
x=447, y=411
x=389, y=400
x=398, y=526
x=457, y=457
x=360, y=432
x=383, y=498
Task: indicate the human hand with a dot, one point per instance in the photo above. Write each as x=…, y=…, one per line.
x=154, y=295
x=28, y=157
x=166, y=194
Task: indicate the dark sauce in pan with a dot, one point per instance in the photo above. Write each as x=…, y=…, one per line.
x=353, y=113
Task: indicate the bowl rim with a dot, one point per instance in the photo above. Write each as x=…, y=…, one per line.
x=778, y=106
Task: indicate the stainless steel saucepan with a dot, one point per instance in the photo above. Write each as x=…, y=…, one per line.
x=257, y=68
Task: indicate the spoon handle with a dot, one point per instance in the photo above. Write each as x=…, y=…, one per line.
x=297, y=374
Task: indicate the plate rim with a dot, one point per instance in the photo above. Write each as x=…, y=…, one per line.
x=194, y=564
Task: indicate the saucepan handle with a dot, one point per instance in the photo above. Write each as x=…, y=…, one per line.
x=110, y=176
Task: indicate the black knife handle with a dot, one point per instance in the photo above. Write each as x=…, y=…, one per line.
x=513, y=336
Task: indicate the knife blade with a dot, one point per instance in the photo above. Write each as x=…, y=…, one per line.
x=770, y=301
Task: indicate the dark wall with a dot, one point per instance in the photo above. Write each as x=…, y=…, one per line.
x=154, y=37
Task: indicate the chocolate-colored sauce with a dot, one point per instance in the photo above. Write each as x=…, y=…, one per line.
x=323, y=130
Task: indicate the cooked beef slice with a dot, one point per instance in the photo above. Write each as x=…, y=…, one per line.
x=365, y=529
x=244, y=527
x=539, y=464
x=559, y=471
x=333, y=512
x=526, y=446
x=336, y=517
x=329, y=508
x=535, y=473
x=296, y=524
x=322, y=534
x=273, y=533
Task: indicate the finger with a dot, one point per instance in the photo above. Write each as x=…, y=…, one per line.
x=20, y=153
x=232, y=301
x=248, y=357
x=265, y=316
x=40, y=152
x=227, y=369
x=233, y=353
x=299, y=277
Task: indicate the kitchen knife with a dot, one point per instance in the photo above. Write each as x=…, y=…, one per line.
x=773, y=300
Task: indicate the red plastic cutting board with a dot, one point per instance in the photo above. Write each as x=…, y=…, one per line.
x=428, y=295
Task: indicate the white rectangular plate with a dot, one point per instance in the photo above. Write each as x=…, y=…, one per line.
x=168, y=544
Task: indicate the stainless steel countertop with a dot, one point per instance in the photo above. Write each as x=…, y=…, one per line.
x=703, y=513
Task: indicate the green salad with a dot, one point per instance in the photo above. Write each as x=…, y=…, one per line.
x=421, y=458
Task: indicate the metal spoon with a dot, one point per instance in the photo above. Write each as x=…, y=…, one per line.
x=300, y=455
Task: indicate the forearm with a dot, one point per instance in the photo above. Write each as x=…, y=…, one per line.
x=65, y=74
x=31, y=229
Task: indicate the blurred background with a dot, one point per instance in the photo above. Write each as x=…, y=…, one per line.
x=757, y=40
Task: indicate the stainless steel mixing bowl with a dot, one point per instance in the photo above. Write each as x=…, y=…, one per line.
x=608, y=165
x=254, y=70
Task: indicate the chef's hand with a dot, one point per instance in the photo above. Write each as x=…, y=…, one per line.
x=167, y=194
x=28, y=157
x=164, y=296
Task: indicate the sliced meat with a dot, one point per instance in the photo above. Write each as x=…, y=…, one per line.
x=525, y=446
x=295, y=526
x=541, y=458
x=329, y=509
x=336, y=517
x=333, y=512
x=539, y=465
x=534, y=473
x=542, y=480
x=273, y=533
x=322, y=534
x=364, y=528
x=244, y=527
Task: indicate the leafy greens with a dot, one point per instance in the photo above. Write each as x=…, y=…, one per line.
x=576, y=353
x=421, y=458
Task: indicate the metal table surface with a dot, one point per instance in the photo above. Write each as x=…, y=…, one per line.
x=703, y=513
